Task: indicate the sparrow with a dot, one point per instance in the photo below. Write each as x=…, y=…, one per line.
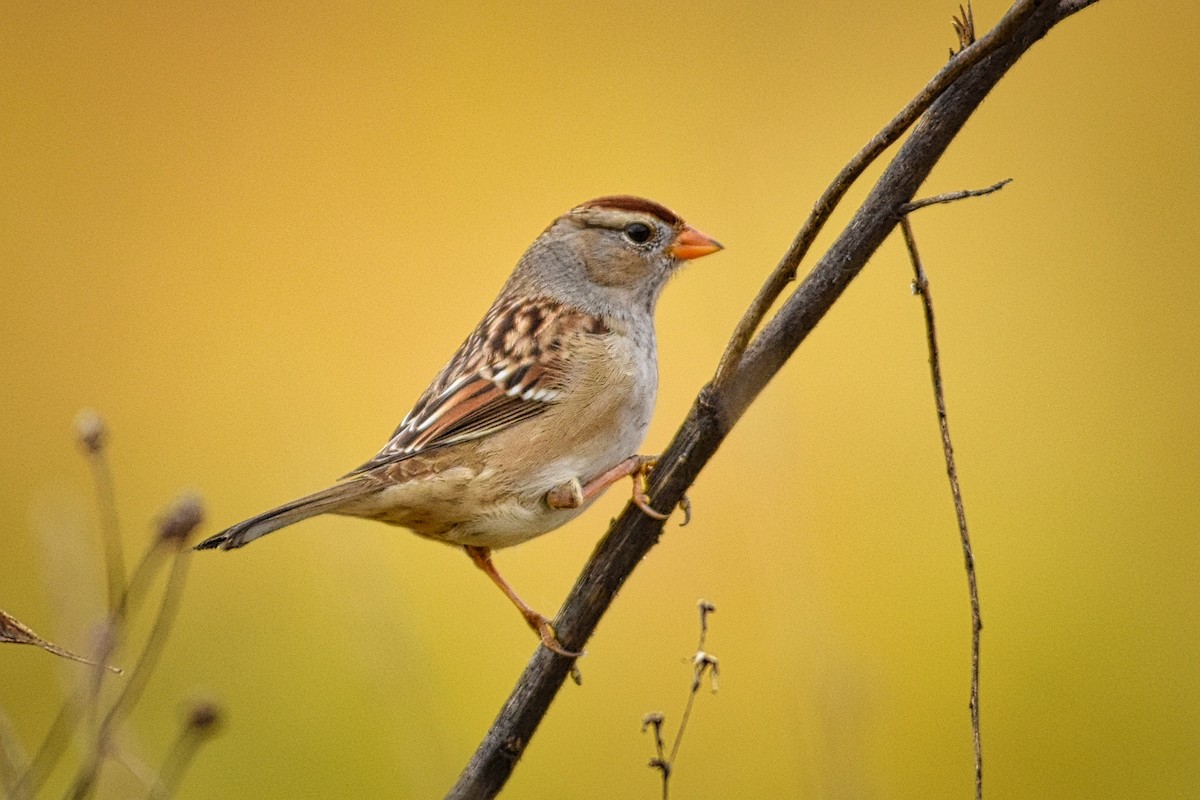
x=541, y=409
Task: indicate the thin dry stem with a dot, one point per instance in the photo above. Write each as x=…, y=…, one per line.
x=92, y=434
x=202, y=723
x=12, y=755
x=13, y=631
x=921, y=288
x=124, y=598
x=660, y=761
x=703, y=663
x=950, y=197
x=51, y=748
x=785, y=272
x=138, y=769
x=71, y=713
x=89, y=772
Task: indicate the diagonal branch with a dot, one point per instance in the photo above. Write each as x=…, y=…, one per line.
x=721, y=403
x=785, y=272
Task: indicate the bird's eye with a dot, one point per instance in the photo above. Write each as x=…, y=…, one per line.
x=638, y=232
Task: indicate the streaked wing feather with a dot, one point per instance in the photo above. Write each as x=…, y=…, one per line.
x=481, y=406
x=509, y=370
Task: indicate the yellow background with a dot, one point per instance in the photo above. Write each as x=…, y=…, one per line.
x=249, y=234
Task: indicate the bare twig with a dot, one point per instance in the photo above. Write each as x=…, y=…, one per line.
x=132, y=763
x=703, y=663
x=173, y=532
x=785, y=272
x=71, y=713
x=202, y=723
x=124, y=597
x=921, y=288
x=93, y=437
x=660, y=762
x=12, y=755
x=13, y=631
x=951, y=197
x=745, y=371
x=51, y=748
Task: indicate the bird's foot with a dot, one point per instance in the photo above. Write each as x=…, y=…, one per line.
x=572, y=494
x=641, y=480
x=545, y=630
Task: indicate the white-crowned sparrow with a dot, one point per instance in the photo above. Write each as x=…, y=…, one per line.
x=543, y=406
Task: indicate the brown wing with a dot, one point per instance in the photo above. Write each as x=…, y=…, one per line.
x=510, y=369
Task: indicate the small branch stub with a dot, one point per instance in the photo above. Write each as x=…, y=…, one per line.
x=964, y=28
x=951, y=197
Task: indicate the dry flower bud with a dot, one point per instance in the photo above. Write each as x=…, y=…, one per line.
x=182, y=518
x=704, y=662
x=90, y=430
x=204, y=717
x=654, y=718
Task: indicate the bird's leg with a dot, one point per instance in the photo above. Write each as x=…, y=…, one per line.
x=482, y=558
x=572, y=495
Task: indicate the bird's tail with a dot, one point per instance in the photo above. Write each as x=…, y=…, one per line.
x=325, y=501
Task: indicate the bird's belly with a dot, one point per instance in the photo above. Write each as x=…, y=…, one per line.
x=522, y=513
x=510, y=522
x=462, y=506
x=500, y=500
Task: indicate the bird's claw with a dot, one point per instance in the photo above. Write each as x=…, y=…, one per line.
x=549, y=640
x=641, y=481
x=685, y=505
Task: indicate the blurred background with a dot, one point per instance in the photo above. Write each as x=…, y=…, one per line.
x=250, y=235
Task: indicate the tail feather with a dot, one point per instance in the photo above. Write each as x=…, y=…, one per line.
x=322, y=502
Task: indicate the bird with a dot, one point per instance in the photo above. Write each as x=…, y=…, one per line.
x=540, y=410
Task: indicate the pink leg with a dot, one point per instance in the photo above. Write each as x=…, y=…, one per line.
x=572, y=495
x=636, y=467
x=482, y=558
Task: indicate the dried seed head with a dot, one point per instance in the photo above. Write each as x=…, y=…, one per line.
x=181, y=518
x=703, y=663
x=90, y=431
x=654, y=718
x=204, y=717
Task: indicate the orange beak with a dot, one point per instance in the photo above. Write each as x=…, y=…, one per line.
x=691, y=243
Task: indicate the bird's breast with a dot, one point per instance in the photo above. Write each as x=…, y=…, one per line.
x=600, y=417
